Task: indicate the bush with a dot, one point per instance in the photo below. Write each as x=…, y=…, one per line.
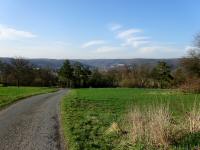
x=191, y=85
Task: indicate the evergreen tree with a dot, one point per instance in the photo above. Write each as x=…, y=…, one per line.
x=162, y=75
x=66, y=74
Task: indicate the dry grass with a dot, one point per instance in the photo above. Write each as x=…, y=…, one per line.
x=192, y=121
x=114, y=128
x=151, y=127
x=136, y=123
x=154, y=126
x=158, y=126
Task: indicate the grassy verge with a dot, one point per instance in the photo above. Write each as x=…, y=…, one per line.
x=9, y=95
x=155, y=128
x=88, y=114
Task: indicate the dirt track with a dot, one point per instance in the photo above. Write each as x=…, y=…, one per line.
x=32, y=124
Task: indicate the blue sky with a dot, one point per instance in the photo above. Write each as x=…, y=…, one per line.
x=97, y=28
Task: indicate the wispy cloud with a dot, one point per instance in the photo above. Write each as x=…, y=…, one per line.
x=128, y=33
x=134, y=41
x=93, y=43
x=7, y=33
x=115, y=26
x=131, y=38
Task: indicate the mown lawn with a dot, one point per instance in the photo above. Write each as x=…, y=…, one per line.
x=88, y=113
x=8, y=95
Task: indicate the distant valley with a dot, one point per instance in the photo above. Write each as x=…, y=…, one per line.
x=100, y=63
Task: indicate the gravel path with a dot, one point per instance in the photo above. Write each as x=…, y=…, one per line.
x=32, y=124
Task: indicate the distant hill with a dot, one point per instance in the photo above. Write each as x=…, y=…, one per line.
x=110, y=63
x=100, y=63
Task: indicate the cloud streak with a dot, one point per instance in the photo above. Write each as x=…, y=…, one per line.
x=7, y=33
x=131, y=38
x=128, y=33
x=134, y=41
x=115, y=26
x=93, y=43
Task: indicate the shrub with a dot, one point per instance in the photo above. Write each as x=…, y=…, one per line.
x=191, y=85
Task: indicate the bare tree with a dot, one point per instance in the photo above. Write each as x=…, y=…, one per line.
x=197, y=40
x=22, y=71
x=191, y=63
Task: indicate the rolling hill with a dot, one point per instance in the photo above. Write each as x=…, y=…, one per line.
x=100, y=63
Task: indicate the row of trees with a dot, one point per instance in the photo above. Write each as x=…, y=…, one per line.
x=21, y=72
x=186, y=76
x=78, y=75
x=160, y=76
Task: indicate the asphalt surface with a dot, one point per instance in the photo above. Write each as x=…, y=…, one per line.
x=32, y=124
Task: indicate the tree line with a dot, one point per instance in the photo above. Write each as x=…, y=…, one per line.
x=185, y=77
x=21, y=72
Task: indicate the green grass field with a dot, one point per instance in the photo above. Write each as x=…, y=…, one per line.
x=88, y=113
x=8, y=95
